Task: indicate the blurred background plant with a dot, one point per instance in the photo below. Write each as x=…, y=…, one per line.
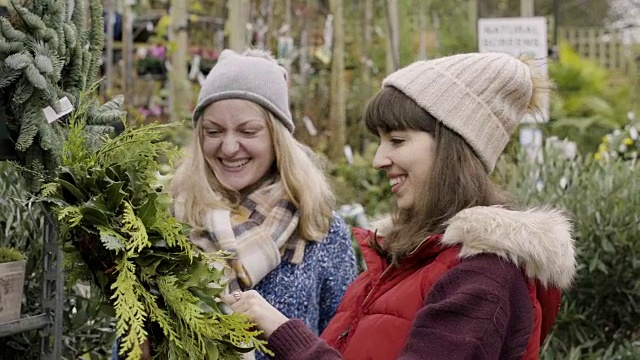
x=88, y=331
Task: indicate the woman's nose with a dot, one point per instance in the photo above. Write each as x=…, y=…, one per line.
x=381, y=160
x=230, y=145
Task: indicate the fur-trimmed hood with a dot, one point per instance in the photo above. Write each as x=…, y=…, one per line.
x=537, y=240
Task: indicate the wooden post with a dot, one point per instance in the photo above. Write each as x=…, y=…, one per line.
x=394, y=35
x=127, y=51
x=338, y=110
x=108, y=66
x=237, y=24
x=473, y=22
x=527, y=8
x=180, y=89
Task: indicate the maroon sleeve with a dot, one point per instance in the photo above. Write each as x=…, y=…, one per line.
x=293, y=340
x=480, y=309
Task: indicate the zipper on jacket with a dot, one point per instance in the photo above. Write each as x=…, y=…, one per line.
x=375, y=285
x=344, y=335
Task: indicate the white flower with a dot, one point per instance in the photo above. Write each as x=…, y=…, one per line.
x=622, y=148
x=633, y=133
x=563, y=183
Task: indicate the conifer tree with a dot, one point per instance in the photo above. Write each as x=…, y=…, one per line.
x=46, y=54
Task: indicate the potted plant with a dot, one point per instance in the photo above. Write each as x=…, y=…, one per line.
x=12, y=270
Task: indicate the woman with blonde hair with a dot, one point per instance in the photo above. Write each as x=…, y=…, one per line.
x=248, y=187
x=458, y=273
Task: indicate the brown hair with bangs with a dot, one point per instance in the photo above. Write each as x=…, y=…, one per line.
x=458, y=178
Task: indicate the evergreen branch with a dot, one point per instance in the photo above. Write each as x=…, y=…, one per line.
x=28, y=131
x=111, y=239
x=8, y=76
x=134, y=227
x=49, y=189
x=69, y=36
x=9, y=32
x=31, y=20
x=35, y=77
x=43, y=64
x=70, y=215
x=23, y=91
x=96, y=38
x=129, y=309
x=77, y=17
x=18, y=61
x=10, y=47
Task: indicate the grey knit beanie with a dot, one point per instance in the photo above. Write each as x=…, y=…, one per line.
x=480, y=96
x=253, y=75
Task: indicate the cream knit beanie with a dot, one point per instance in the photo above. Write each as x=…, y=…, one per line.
x=253, y=75
x=480, y=96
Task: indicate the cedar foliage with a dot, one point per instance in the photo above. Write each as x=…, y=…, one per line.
x=117, y=232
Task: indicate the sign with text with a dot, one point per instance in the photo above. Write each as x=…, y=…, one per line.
x=518, y=36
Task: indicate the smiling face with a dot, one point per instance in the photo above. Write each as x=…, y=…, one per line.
x=407, y=156
x=236, y=142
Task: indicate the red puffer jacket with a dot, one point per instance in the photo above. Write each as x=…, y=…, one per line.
x=378, y=312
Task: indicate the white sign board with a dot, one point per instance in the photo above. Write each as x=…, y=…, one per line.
x=517, y=36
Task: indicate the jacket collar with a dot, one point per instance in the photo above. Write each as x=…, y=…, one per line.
x=537, y=240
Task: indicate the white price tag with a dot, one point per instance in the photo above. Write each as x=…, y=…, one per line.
x=65, y=108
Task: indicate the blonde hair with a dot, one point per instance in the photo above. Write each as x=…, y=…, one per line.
x=196, y=187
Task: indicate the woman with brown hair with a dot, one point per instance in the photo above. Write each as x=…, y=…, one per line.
x=457, y=273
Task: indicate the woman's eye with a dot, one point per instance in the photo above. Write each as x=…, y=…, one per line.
x=249, y=132
x=396, y=141
x=211, y=132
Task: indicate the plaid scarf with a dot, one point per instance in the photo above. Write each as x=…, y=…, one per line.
x=260, y=232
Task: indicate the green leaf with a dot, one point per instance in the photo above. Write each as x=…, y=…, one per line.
x=70, y=192
x=115, y=195
x=147, y=211
x=96, y=211
x=212, y=350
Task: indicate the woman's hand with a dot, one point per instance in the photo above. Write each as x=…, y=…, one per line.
x=259, y=311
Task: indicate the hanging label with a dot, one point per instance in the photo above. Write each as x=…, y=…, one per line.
x=65, y=108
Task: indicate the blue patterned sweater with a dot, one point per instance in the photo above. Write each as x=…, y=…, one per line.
x=312, y=290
